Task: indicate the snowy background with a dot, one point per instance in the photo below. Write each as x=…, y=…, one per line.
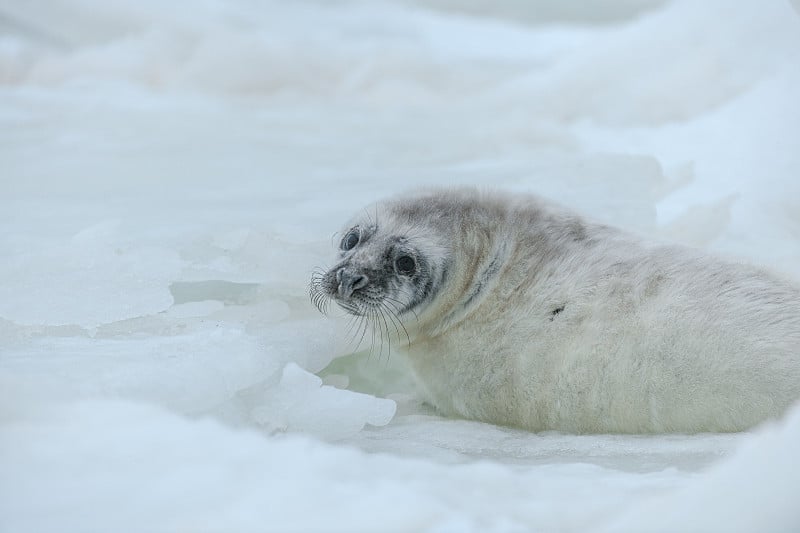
x=172, y=172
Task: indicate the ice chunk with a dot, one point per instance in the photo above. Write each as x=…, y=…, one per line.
x=190, y=373
x=91, y=279
x=301, y=402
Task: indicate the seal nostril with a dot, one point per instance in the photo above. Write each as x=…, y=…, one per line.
x=349, y=282
x=360, y=281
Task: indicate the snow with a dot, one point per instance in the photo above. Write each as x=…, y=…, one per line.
x=171, y=174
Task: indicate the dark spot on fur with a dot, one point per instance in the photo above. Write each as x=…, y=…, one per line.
x=555, y=311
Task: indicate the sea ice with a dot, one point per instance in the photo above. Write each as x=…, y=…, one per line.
x=172, y=173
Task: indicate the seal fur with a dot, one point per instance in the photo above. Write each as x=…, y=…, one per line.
x=522, y=313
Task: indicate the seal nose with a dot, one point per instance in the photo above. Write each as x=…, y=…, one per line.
x=349, y=282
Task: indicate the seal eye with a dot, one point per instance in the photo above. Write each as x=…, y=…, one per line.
x=405, y=264
x=350, y=240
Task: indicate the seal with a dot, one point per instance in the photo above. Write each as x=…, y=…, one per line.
x=518, y=312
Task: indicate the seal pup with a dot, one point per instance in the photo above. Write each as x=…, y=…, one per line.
x=518, y=312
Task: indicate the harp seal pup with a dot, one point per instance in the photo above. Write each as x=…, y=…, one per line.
x=517, y=312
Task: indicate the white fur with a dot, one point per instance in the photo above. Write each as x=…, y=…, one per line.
x=651, y=338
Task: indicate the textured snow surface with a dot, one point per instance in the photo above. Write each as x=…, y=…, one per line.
x=172, y=172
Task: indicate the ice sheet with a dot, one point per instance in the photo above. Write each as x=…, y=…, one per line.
x=171, y=174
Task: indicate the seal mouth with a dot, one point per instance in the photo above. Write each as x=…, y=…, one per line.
x=356, y=306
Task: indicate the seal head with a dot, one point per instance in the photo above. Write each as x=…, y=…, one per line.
x=388, y=271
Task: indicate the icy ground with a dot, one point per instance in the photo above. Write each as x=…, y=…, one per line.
x=171, y=173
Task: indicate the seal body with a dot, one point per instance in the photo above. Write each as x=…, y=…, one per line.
x=517, y=312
